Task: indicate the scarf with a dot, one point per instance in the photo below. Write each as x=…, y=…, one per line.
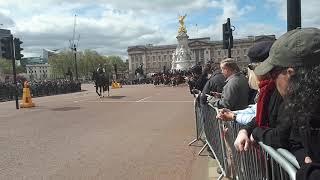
x=266, y=89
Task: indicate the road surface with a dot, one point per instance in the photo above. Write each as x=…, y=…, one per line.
x=139, y=132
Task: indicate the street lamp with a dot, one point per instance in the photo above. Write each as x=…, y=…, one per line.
x=105, y=70
x=74, y=48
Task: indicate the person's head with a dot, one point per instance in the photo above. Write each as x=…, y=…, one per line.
x=291, y=57
x=207, y=67
x=257, y=54
x=229, y=67
x=196, y=70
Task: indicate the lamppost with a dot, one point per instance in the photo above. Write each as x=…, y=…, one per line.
x=293, y=14
x=105, y=69
x=74, y=48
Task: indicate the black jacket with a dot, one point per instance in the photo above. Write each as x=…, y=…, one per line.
x=306, y=138
x=278, y=132
x=215, y=84
x=201, y=82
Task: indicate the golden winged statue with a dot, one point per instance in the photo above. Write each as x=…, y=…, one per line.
x=182, y=28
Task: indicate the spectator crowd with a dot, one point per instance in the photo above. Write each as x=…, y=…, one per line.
x=39, y=88
x=277, y=102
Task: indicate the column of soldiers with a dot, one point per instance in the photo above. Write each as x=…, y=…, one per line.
x=172, y=78
x=39, y=88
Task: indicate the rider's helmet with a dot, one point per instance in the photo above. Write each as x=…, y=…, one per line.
x=100, y=69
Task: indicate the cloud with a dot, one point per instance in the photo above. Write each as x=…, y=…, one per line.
x=309, y=11
x=110, y=26
x=5, y=20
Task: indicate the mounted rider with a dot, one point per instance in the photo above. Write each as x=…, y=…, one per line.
x=100, y=69
x=101, y=80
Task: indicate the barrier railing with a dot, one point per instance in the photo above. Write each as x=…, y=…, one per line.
x=199, y=120
x=259, y=162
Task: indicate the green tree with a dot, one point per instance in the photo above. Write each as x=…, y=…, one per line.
x=87, y=62
x=6, y=67
x=60, y=63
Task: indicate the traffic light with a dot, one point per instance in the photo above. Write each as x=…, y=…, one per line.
x=227, y=38
x=7, y=48
x=18, y=48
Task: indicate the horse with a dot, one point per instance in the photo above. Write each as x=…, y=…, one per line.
x=140, y=78
x=101, y=83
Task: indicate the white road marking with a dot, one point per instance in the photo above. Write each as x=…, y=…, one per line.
x=81, y=100
x=143, y=99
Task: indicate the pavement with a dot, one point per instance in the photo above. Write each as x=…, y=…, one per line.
x=139, y=132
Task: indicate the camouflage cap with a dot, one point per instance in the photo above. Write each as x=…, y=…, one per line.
x=299, y=47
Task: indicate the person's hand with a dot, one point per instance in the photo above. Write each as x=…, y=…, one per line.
x=211, y=99
x=225, y=115
x=242, y=141
x=307, y=160
x=215, y=94
x=195, y=91
x=251, y=138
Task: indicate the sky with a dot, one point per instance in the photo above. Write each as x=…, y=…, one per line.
x=110, y=26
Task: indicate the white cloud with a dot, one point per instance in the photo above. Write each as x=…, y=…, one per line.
x=252, y=29
x=309, y=11
x=110, y=26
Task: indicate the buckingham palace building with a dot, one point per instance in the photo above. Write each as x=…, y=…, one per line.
x=156, y=58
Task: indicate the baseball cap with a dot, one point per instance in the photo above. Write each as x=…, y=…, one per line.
x=298, y=47
x=259, y=51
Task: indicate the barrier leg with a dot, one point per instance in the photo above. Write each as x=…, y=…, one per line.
x=193, y=141
x=220, y=177
x=202, y=149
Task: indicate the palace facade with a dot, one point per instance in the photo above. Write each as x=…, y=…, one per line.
x=156, y=58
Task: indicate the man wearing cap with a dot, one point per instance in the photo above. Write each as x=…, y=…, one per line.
x=293, y=64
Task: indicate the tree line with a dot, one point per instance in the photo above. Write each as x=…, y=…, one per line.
x=87, y=62
x=6, y=67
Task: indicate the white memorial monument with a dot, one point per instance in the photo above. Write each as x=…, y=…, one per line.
x=181, y=59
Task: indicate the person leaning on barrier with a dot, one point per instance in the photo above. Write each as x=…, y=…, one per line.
x=270, y=110
x=215, y=83
x=257, y=53
x=293, y=63
x=296, y=58
x=235, y=93
x=300, y=60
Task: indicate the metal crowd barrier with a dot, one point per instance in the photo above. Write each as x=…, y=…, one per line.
x=199, y=123
x=260, y=162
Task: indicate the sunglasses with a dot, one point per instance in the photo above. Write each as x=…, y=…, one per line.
x=252, y=66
